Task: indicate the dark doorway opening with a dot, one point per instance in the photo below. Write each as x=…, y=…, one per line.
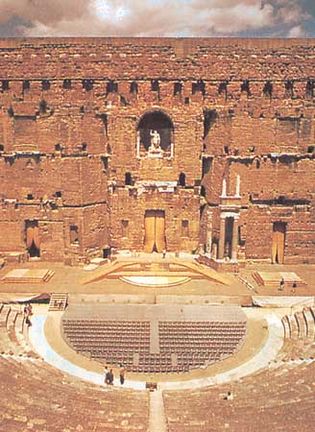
x=128, y=179
x=229, y=224
x=32, y=238
x=107, y=252
x=182, y=179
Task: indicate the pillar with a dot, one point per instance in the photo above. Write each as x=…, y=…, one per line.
x=172, y=150
x=234, y=239
x=238, y=186
x=209, y=231
x=222, y=237
x=138, y=144
x=223, y=194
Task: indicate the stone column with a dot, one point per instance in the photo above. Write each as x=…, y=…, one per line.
x=209, y=231
x=234, y=238
x=138, y=144
x=223, y=194
x=172, y=150
x=238, y=186
x=222, y=237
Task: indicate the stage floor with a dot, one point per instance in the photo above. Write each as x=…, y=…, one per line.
x=159, y=312
x=73, y=280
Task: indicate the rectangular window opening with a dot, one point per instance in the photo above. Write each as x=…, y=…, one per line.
x=185, y=228
x=74, y=234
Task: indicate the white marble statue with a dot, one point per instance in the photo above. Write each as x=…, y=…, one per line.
x=155, y=140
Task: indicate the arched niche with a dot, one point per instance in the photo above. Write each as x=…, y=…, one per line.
x=155, y=135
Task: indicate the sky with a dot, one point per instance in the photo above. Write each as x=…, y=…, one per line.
x=173, y=18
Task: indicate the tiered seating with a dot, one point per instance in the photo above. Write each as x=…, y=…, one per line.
x=300, y=325
x=14, y=333
x=10, y=319
x=113, y=342
x=4, y=314
x=183, y=345
x=198, y=343
x=280, y=399
x=299, y=331
x=40, y=398
x=309, y=316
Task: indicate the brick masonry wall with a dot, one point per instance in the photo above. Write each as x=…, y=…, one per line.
x=65, y=149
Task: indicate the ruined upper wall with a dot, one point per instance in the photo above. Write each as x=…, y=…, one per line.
x=165, y=58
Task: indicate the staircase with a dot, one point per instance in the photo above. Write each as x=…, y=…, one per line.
x=58, y=302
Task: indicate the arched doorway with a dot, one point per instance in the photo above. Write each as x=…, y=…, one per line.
x=154, y=226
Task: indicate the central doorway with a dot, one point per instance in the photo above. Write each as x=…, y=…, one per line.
x=154, y=226
x=278, y=241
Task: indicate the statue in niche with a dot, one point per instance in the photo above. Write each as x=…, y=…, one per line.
x=155, y=139
x=155, y=149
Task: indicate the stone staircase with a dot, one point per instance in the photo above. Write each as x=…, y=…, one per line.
x=58, y=302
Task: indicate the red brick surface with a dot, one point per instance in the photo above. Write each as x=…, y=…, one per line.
x=248, y=134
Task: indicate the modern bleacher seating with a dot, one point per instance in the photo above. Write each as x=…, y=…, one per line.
x=183, y=345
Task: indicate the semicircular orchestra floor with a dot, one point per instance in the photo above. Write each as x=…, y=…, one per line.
x=155, y=338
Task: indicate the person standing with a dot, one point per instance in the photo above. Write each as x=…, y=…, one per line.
x=110, y=377
x=105, y=373
x=122, y=374
x=27, y=313
x=281, y=284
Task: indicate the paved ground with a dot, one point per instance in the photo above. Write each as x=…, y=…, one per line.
x=304, y=271
x=261, y=346
x=256, y=336
x=71, y=280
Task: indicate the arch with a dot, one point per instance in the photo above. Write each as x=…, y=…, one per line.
x=155, y=120
x=155, y=111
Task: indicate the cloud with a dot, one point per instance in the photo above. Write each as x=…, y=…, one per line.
x=240, y=16
x=296, y=32
x=44, y=11
x=155, y=17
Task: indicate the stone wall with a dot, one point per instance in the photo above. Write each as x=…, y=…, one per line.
x=70, y=156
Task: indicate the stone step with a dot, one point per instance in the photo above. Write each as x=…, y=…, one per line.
x=58, y=302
